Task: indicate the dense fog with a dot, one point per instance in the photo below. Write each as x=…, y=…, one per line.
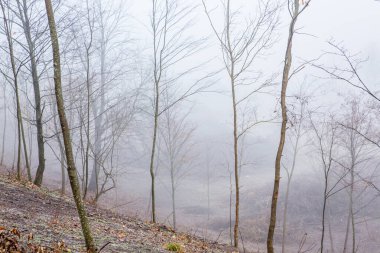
x=189, y=93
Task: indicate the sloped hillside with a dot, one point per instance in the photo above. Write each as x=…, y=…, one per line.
x=34, y=218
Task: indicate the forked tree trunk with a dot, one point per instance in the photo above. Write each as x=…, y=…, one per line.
x=285, y=81
x=71, y=169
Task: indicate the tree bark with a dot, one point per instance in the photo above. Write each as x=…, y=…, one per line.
x=24, y=145
x=15, y=81
x=36, y=87
x=285, y=81
x=151, y=167
x=71, y=169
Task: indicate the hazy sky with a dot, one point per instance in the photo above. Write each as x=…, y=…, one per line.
x=355, y=23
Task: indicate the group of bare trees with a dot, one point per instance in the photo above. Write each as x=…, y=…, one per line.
x=99, y=93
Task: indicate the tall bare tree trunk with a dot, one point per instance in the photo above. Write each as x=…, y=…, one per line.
x=353, y=153
x=23, y=10
x=99, y=113
x=4, y=125
x=25, y=147
x=236, y=167
x=285, y=81
x=173, y=197
x=89, y=91
x=87, y=154
x=71, y=169
x=18, y=149
x=61, y=153
x=235, y=126
x=325, y=196
x=151, y=167
x=290, y=176
x=15, y=82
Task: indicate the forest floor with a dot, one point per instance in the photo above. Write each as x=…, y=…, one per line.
x=33, y=217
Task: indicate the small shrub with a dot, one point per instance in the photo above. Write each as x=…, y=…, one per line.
x=175, y=247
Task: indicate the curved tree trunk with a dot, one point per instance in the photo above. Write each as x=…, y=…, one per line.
x=285, y=81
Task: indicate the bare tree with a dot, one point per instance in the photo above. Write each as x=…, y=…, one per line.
x=110, y=44
x=356, y=120
x=71, y=169
x=349, y=71
x=177, y=154
x=24, y=12
x=171, y=46
x=294, y=11
x=297, y=131
x=326, y=144
x=14, y=81
x=240, y=48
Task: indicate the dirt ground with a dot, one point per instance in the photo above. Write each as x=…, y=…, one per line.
x=51, y=220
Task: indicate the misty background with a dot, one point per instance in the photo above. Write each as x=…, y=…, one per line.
x=204, y=183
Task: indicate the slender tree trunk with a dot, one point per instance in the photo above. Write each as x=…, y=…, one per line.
x=157, y=76
x=230, y=209
x=173, y=197
x=236, y=169
x=30, y=143
x=98, y=115
x=61, y=153
x=71, y=169
x=86, y=172
x=36, y=87
x=25, y=148
x=345, y=245
x=352, y=210
x=4, y=126
x=330, y=234
x=285, y=81
x=18, y=148
x=324, y=214
x=14, y=145
x=151, y=168
x=235, y=127
x=15, y=80
x=290, y=176
x=63, y=174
